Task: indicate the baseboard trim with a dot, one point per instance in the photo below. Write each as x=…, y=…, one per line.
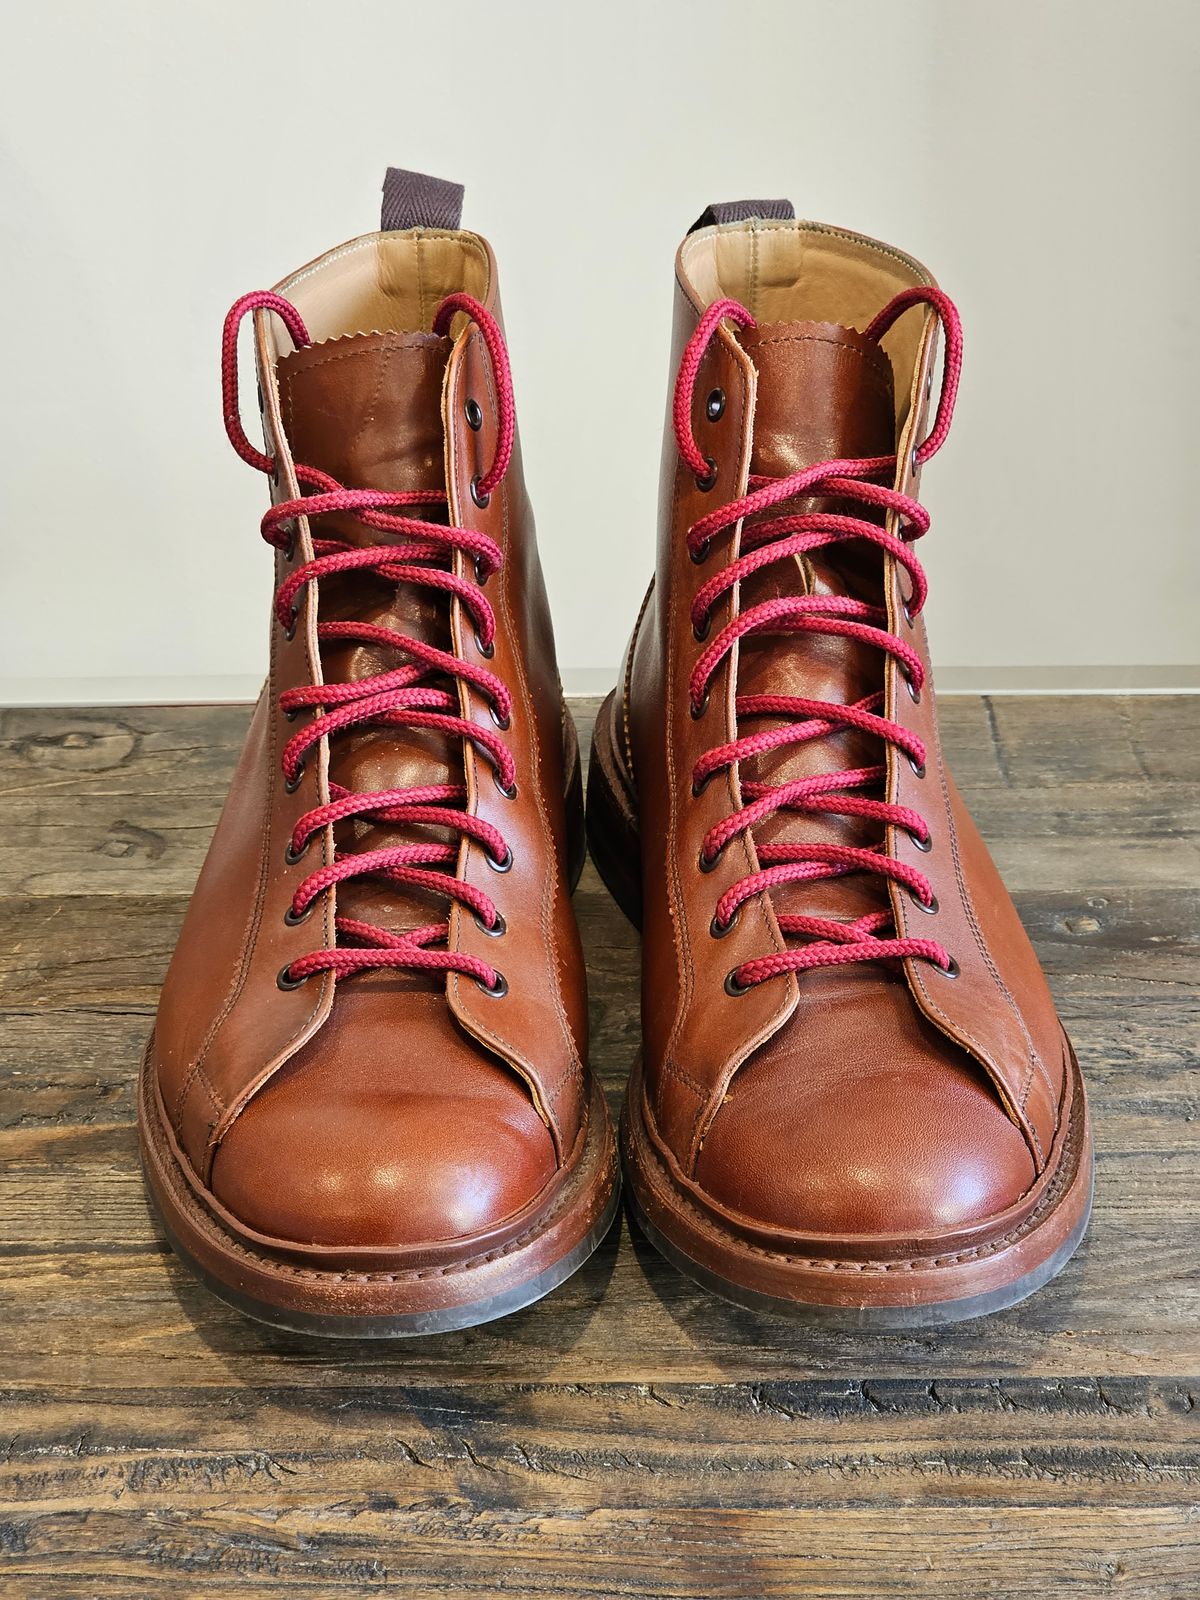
x=587, y=682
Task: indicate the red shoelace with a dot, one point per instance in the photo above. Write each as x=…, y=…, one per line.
x=798, y=720
x=412, y=551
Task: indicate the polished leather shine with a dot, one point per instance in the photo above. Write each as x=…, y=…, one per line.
x=874, y=1137
x=446, y=1144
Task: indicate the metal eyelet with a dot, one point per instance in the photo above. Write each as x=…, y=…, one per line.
x=293, y=856
x=914, y=694
x=504, y=723
x=700, y=554
x=481, y=577
x=487, y=651
x=929, y=907
x=474, y=414
x=290, y=716
x=710, y=863
x=699, y=710
x=294, y=918
x=952, y=971
x=923, y=845
x=705, y=483
x=290, y=785
x=505, y=862
x=700, y=634
x=289, y=633
x=699, y=788
x=288, y=551
x=509, y=791
x=719, y=929
x=285, y=980
x=733, y=987
x=480, y=499
x=495, y=991
x=497, y=928
x=913, y=463
x=714, y=406
x=908, y=616
x=918, y=767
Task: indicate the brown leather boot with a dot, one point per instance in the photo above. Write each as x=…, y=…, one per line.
x=855, y=1100
x=365, y=1108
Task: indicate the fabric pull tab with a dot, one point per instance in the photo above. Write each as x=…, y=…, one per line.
x=743, y=211
x=415, y=200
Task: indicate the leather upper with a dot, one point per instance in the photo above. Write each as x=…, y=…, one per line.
x=856, y=1100
x=391, y=1107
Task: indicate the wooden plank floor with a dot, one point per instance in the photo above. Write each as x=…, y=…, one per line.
x=629, y=1435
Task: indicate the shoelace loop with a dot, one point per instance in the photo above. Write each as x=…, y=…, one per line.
x=404, y=697
x=799, y=720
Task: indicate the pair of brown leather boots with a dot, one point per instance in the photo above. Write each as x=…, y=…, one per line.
x=366, y=1108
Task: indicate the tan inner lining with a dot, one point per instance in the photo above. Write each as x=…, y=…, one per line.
x=805, y=272
x=384, y=283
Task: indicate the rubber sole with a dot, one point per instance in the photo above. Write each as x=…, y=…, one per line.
x=816, y=1290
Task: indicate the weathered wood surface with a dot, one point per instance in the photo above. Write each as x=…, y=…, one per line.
x=630, y=1435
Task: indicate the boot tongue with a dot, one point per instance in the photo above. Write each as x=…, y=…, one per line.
x=366, y=409
x=824, y=393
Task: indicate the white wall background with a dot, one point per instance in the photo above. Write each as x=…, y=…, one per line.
x=158, y=159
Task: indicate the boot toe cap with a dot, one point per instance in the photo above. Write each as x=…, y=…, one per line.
x=399, y=1141
x=865, y=1132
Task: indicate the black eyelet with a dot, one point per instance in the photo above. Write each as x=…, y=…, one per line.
x=509, y=791
x=929, y=907
x=699, y=710
x=914, y=694
x=289, y=549
x=951, y=971
x=504, y=723
x=705, y=483
x=290, y=716
x=481, y=577
x=505, y=862
x=914, y=464
x=923, y=845
x=286, y=981
x=709, y=863
x=918, y=767
x=700, y=554
x=497, y=928
x=290, y=785
x=733, y=987
x=481, y=500
x=719, y=929
x=496, y=990
x=700, y=634
x=699, y=788
x=294, y=918
x=474, y=415
x=293, y=856
x=487, y=651
x=275, y=473
x=714, y=406
x=908, y=616
x=289, y=633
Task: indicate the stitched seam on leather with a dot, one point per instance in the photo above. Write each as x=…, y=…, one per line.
x=1067, y=1168
x=976, y=933
x=573, y=1071
x=682, y=955
x=372, y=241
x=879, y=377
x=249, y=940
x=250, y=943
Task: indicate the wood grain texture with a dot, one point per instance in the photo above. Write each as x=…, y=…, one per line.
x=630, y=1435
